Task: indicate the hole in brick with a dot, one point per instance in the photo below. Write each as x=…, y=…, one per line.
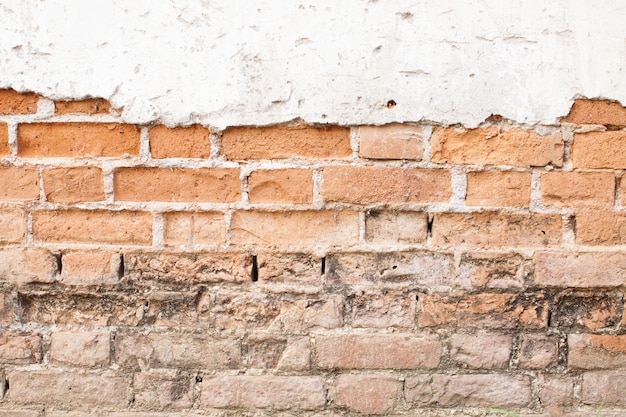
x=429, y=225
x=59, y=262
x=6, y=385
x=323, y=265
x=391, y=104
x=198, y=378
x=120, y=270
x=549, y=318
x=255, y=269
x=417, y=297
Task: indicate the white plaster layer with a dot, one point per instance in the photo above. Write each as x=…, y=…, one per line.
x=232, y=62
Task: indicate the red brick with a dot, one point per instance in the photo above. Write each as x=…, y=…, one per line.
x=492, y=146
x=622, y=192
x=556, y=390
x=383, y=351
x=216, y=185
x=73, y=185
x=599, y=150
x=498, y=189
x=69, y=388
x=233, y=310
x=18, y=183
x=90, y=268
x=493, y=230
x=46, y=140
x=597, y=227
x=289, y=268
x=368, y=394
x=20, y=348
x=93, y=226
x=597, y=112
x=386, y=309
x=194, y=228
x=5, y=149
x=393, y=141
x=23, y=413
x=24, y=266
x=391, y=227
x=491, y=270
x=182, y=142
x=178, y=309
x=578, y=189
x=281, y=186
x=385, y=268
x=173, y=350
x=12, y=102
x=295, y=228
x=387, y=185
x=487, y=310
x=591, y=351
x=163, y=391
x=273, y=392
x=52, y=306
x=604, y=388
x=87, y=106
x=581, y=269
x=586, y=311
x=183, y=270
x=12, y=226
x=481, y=350
x=279, y=352
x=85, y=349
x=279, y=142
x=538, y=351
x=501, y=391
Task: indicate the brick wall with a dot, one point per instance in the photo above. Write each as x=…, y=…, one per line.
x=310, y=270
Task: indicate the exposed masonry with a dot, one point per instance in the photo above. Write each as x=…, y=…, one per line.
x=395, y=270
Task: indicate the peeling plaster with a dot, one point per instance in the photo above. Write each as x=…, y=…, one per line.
x=233, y=62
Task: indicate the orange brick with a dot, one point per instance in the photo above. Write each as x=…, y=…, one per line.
x=93, y=226
x=280, y=142
x=5, y=149
x=491, y=229
x=594, y=227
x=583, y=269
x=490, y=146
x=578, y=189
x=376, y=351
x=18, y=183
x=369, y=394
x=295, y=228
x=88, y=106
x=181, y=142
x=12, y=102
x=498, y=189
x=597, y=112
x=90, y=268
x=253, y=392
x=43, y=140
x=12, y=226
x=599, y=150
x=24, y=266
x=386, y=227
x=73, y=185
x=383, y=309
x=85, y=349
x=182, y=228
x=595, y=351
x=165, y=391
x=276, y=186
x=490, y=270
x=217, y=185
x=622, y=192
x=364, y=185
x=393, y=141
x=490, y=311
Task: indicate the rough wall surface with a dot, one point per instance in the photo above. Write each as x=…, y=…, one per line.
x=230, y=62
x=407, y=269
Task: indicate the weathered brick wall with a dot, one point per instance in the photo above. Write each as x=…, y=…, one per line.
x=300, y=270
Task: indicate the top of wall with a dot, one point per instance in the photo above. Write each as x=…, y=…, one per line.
x=234, y=62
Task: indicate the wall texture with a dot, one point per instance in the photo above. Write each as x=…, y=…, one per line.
x=406, y=269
